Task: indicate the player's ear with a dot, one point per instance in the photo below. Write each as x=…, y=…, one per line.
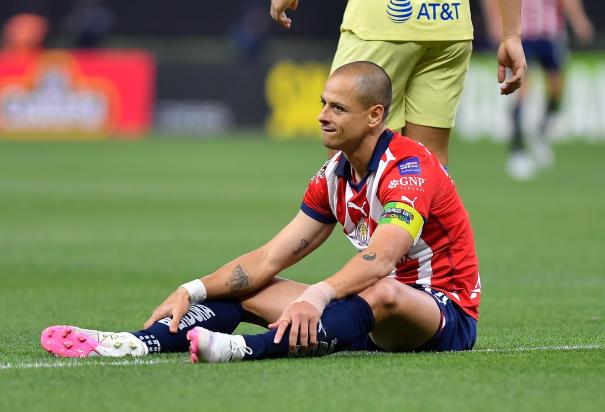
x=376, y=114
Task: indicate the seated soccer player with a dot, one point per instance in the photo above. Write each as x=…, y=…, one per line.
x=413, y=286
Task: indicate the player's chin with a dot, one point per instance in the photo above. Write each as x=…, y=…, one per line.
x=329, y=138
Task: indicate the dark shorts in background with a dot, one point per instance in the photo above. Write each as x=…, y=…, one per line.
x=550, y=54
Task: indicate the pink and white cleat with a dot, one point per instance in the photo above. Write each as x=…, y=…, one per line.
x=73, y=342
x=207, y=346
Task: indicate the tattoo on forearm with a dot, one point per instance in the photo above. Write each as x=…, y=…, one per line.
x=301, y=246
x=369, y=256
x=239, y=279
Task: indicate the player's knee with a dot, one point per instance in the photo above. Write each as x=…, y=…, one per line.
x=382, y=296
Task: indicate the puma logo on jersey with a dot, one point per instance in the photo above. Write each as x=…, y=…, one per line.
x=354, y=206
x=410, y=201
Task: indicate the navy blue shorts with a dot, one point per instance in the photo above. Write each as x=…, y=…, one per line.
x=550, y=54
x=457, y=332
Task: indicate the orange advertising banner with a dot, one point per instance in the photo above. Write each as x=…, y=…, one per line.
x=76, y=95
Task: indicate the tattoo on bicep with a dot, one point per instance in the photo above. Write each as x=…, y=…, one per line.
x=239, y=279
x=369, y=256
x=301, y=246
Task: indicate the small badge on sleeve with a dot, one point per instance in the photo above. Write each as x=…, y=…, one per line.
x=409, y=166
x=402, y=215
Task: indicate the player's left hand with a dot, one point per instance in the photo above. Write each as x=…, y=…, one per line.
x=511, y=55
x=175, y=305
x=303, y=318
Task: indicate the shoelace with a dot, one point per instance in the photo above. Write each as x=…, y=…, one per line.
x=243, y=350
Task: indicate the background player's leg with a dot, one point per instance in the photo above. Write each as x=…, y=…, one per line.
x=435, y=139
x=520, y=165
x=405, y=318
x=433, y=92
x=543, y=152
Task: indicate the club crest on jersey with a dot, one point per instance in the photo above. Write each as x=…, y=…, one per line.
x=409, y=166
x=362, y=233
x=400, y=11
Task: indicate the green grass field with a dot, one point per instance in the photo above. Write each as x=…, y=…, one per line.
x=97, y=234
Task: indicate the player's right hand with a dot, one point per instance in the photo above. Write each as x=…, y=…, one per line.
x=278, y=11
x=175, y=305
x=511, y=55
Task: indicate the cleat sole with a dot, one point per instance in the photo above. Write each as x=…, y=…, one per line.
x=61, y=341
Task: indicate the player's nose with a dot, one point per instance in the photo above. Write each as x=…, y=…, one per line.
x=323, y=115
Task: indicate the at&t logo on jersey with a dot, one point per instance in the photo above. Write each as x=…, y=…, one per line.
x=400, y=11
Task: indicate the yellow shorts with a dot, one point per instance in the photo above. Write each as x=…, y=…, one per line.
x=427, y=77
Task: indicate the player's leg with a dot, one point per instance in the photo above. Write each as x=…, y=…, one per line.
x=72, y=341
x=399, y=317
x=436, y=139
x=433, y=92
x=405, y=317
x=266, y=305
x=520, y=164
x=261, y=307
x=343, y=323
x=552, y=61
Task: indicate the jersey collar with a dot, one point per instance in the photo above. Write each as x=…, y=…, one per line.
x=343, y=168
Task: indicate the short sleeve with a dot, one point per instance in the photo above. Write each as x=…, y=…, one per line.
x=315, y=202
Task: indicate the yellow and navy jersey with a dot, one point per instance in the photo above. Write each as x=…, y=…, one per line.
x=409, y=20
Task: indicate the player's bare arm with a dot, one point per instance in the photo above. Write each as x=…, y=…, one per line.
x=510, y=52
x=579, y=21
x=278, y=11
x=388, y=245
x=251, y=271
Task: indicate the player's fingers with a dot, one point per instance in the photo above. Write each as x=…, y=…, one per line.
x=177, y=314
x=293, y=335
x=303, y=335
x=511, y=84
x=282, y=326
x=313, y=333
x=285, y=21
x=293, y=5
x=501, y=73
x=272, y=11
x=156, y=315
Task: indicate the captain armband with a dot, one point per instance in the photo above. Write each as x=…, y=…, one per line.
x=403, y=215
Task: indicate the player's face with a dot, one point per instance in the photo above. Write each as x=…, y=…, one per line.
x=344, y=120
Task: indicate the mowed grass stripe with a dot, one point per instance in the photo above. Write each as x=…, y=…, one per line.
x=161, y=361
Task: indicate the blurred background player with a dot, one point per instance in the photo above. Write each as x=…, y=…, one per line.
x=425, y=48
x=89, y=24
x=26, y=30
x=543, y=25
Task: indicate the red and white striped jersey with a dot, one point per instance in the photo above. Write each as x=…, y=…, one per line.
x=542, y=19
x=401, y=170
